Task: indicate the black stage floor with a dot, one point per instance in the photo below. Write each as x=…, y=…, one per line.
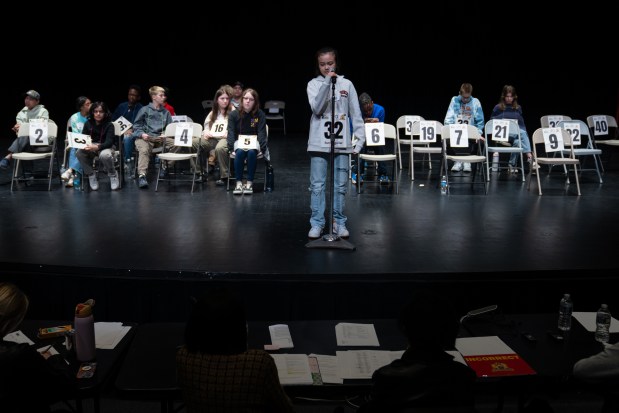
x=416, y=235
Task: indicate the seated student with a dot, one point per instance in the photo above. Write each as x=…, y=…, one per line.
x=216, y=371
x=425, y=376
x=29, y=383
x=602, y=370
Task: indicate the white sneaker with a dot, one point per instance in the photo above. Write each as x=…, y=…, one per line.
x=457, y=167
x=67, y=175
x=467, y=167
x=314, y=232
x=114, y=182
x=69, y=183
x=340, y=230
x=239, y=188
x=94, y=183
x=248, y=189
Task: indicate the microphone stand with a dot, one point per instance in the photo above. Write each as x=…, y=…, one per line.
x=331, y=240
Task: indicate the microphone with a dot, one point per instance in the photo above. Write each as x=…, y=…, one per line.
x=333, y=78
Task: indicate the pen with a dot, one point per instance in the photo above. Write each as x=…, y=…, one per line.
x=47, y=349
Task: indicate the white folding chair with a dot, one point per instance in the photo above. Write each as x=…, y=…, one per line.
x=373, y=138
x=183, y=134
x=497, y=133
x=459, y=136
x=404, y=127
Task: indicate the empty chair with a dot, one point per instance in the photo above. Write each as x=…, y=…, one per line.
x=584, y=145
x=498, y=133
x=275, y=110
x=458, y=136
x=425, y=140
x=550, y=121
x=42, y=134
x=404, y=127
x=183, y=134
x=207, y=105
x=554, y=140
x=373, y=138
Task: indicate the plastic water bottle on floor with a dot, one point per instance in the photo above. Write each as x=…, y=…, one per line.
x=444, y=185
x=602, y=324
x=77, y=181
x=495, y=162
x=565, y=313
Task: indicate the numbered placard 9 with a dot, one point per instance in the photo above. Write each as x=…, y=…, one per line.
x=375, y=134
x=500, y=130
x=553, y=139
x=38, y=132
x=574, y=130
x=458, y=135
x=427, y=131
x=183, y=134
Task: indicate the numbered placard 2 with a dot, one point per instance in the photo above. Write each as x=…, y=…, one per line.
x=38, y=132
x=375, y=134
x=78, y=140
x=183, y=134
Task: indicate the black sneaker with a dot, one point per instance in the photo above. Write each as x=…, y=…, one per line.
x=5, y=163
x=163, y=172
x=142, y=182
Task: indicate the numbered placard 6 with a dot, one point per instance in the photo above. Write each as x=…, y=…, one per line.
x=78, y=140
x=553, y=139
x=375, y=134
x=183, y=134
x=38, y=132
x=459, y=135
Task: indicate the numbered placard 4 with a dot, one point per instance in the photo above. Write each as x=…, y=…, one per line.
x=459, y=135
x=574, y=130
x=553, y=139
x=78, y=140
x=375, y=134
x=124, y=124
x=500, y=130
x=247, y=142
x=183, y=134
x=38, y=132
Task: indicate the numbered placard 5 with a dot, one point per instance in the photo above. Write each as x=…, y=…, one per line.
x=375, y=134
x=247, y=142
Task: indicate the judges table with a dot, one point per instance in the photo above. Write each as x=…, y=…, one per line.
x=108, y=361
x=149, y=368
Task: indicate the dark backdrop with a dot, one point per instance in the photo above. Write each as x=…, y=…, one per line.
x=410, y=59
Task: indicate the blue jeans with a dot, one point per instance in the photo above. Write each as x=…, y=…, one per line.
x=318, y=184
x=526, y=145
x=74, y=163
x=128, y=146
x=239, y=164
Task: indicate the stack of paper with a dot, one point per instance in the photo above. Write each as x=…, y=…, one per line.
x=349, y=334
x=108, y=335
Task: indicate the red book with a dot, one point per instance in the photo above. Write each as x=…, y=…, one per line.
x=491, y=357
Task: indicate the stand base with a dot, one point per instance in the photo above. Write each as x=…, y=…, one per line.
x=331, y=241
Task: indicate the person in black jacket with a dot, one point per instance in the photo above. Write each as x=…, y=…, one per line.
x=29, y=383
x=426, y=375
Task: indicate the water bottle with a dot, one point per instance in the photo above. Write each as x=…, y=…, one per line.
x=602, y=324
x=495, y=162
x=270, y=179
x=85, y=349
x=565, y=313
x=444, y=185
x=77, y=181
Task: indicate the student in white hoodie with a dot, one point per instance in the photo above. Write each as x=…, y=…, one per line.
x=347, y=114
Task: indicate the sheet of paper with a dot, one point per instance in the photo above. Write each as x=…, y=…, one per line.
x=108, y=335
x=351, y=334
x=361, y=364
x=474, y=346
x=587, y=319
x=457, y=356
x=18, y=337
x=293, y=368
x=280, y=336
x=328, y=368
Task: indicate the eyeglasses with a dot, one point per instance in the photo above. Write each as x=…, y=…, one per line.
x=99, y=111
